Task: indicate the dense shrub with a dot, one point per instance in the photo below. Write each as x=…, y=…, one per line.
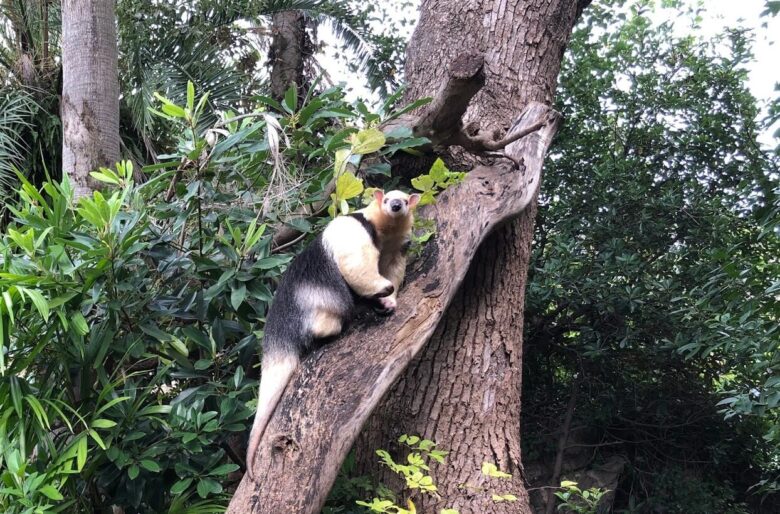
x=130, y=320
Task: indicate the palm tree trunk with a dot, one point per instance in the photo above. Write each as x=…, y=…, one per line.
x=90, y=90
x=288, y=52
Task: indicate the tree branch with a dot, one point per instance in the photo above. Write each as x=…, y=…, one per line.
x=330, y=398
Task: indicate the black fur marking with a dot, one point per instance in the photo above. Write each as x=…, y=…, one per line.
x=285, y=332
x=368, y=226
x=405, y=247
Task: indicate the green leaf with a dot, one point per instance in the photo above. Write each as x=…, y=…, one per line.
x=51, y=493
x=104, y=177
x=423, y=183
x=190, y=95
x=181, y=486
x=112, y=403
x=150, y=465
x=348, y=186
x=173, y=110
x=290, y=101
x=103, y=423
x=81, y=453
x=38, y=300
x=79, y=323
x=439, y=171
x=367, y=141
x=155, y=409
x=405, y=144
x=178, y=345
x=224, y=469
x=133, y=472
x=207, y=486
x=96, y=437
x=340, y=164
x=492, y=470
x=237, y=296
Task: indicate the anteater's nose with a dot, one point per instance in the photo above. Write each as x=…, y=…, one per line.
x=395, y=205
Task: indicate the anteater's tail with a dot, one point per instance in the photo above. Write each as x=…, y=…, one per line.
x=277, y=369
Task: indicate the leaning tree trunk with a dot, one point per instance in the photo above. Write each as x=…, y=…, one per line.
x=517, y=48
x=463, y=390
x=90, y=90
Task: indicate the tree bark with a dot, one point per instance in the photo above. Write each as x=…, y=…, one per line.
x=287, y=52
x=329, y=400
x=463, y=391
x=90, y=90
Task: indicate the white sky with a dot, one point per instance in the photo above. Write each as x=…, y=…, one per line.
x=764, y=71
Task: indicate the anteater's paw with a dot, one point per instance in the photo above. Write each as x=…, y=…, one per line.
x=386, y=306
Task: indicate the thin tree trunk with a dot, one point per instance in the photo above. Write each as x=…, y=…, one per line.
x=287, y=52
x=563, y=440
x=463, y=391
x=90, y=90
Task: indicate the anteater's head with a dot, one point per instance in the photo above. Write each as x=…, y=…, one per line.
x=395, y=204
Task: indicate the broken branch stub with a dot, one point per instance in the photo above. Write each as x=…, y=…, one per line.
x=338, y=386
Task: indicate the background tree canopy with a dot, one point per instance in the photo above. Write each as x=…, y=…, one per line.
x=129, y=323
x=654, y=291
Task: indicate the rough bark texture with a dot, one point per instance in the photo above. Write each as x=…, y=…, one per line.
x=338, y=387
x=463, y=391
x=287, y=51
x=90, y=90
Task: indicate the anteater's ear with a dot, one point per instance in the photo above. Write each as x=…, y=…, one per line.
x=379, y=195
x=413, y=199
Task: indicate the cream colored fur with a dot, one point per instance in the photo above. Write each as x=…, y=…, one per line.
x=356, y=256
x=275, y=377
x=393, y=230
x=325, y=315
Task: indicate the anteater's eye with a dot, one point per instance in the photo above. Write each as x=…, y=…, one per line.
x=406, y=202
x=385, y=200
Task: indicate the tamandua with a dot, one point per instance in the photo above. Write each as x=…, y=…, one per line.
x=359, y=254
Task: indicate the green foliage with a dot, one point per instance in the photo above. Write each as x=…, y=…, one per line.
x=130, y=320
x=98, y=347
x=654, y=272
x=574, y=499
x=415, y=473
x=414, y=468
x=435, y=181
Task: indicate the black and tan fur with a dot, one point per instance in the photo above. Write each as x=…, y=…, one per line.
x=361, y=255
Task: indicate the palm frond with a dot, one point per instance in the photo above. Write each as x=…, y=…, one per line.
x=167, y=66
x=17, y=109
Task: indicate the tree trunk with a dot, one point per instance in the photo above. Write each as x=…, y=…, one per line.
x=287, y=53
x=90, y=90
x=331, y=397
x=471, y=373
x=463, y=391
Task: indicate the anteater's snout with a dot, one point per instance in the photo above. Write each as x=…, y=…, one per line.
x=396, y=205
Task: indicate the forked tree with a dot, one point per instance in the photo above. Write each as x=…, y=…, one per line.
x=448, y=364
